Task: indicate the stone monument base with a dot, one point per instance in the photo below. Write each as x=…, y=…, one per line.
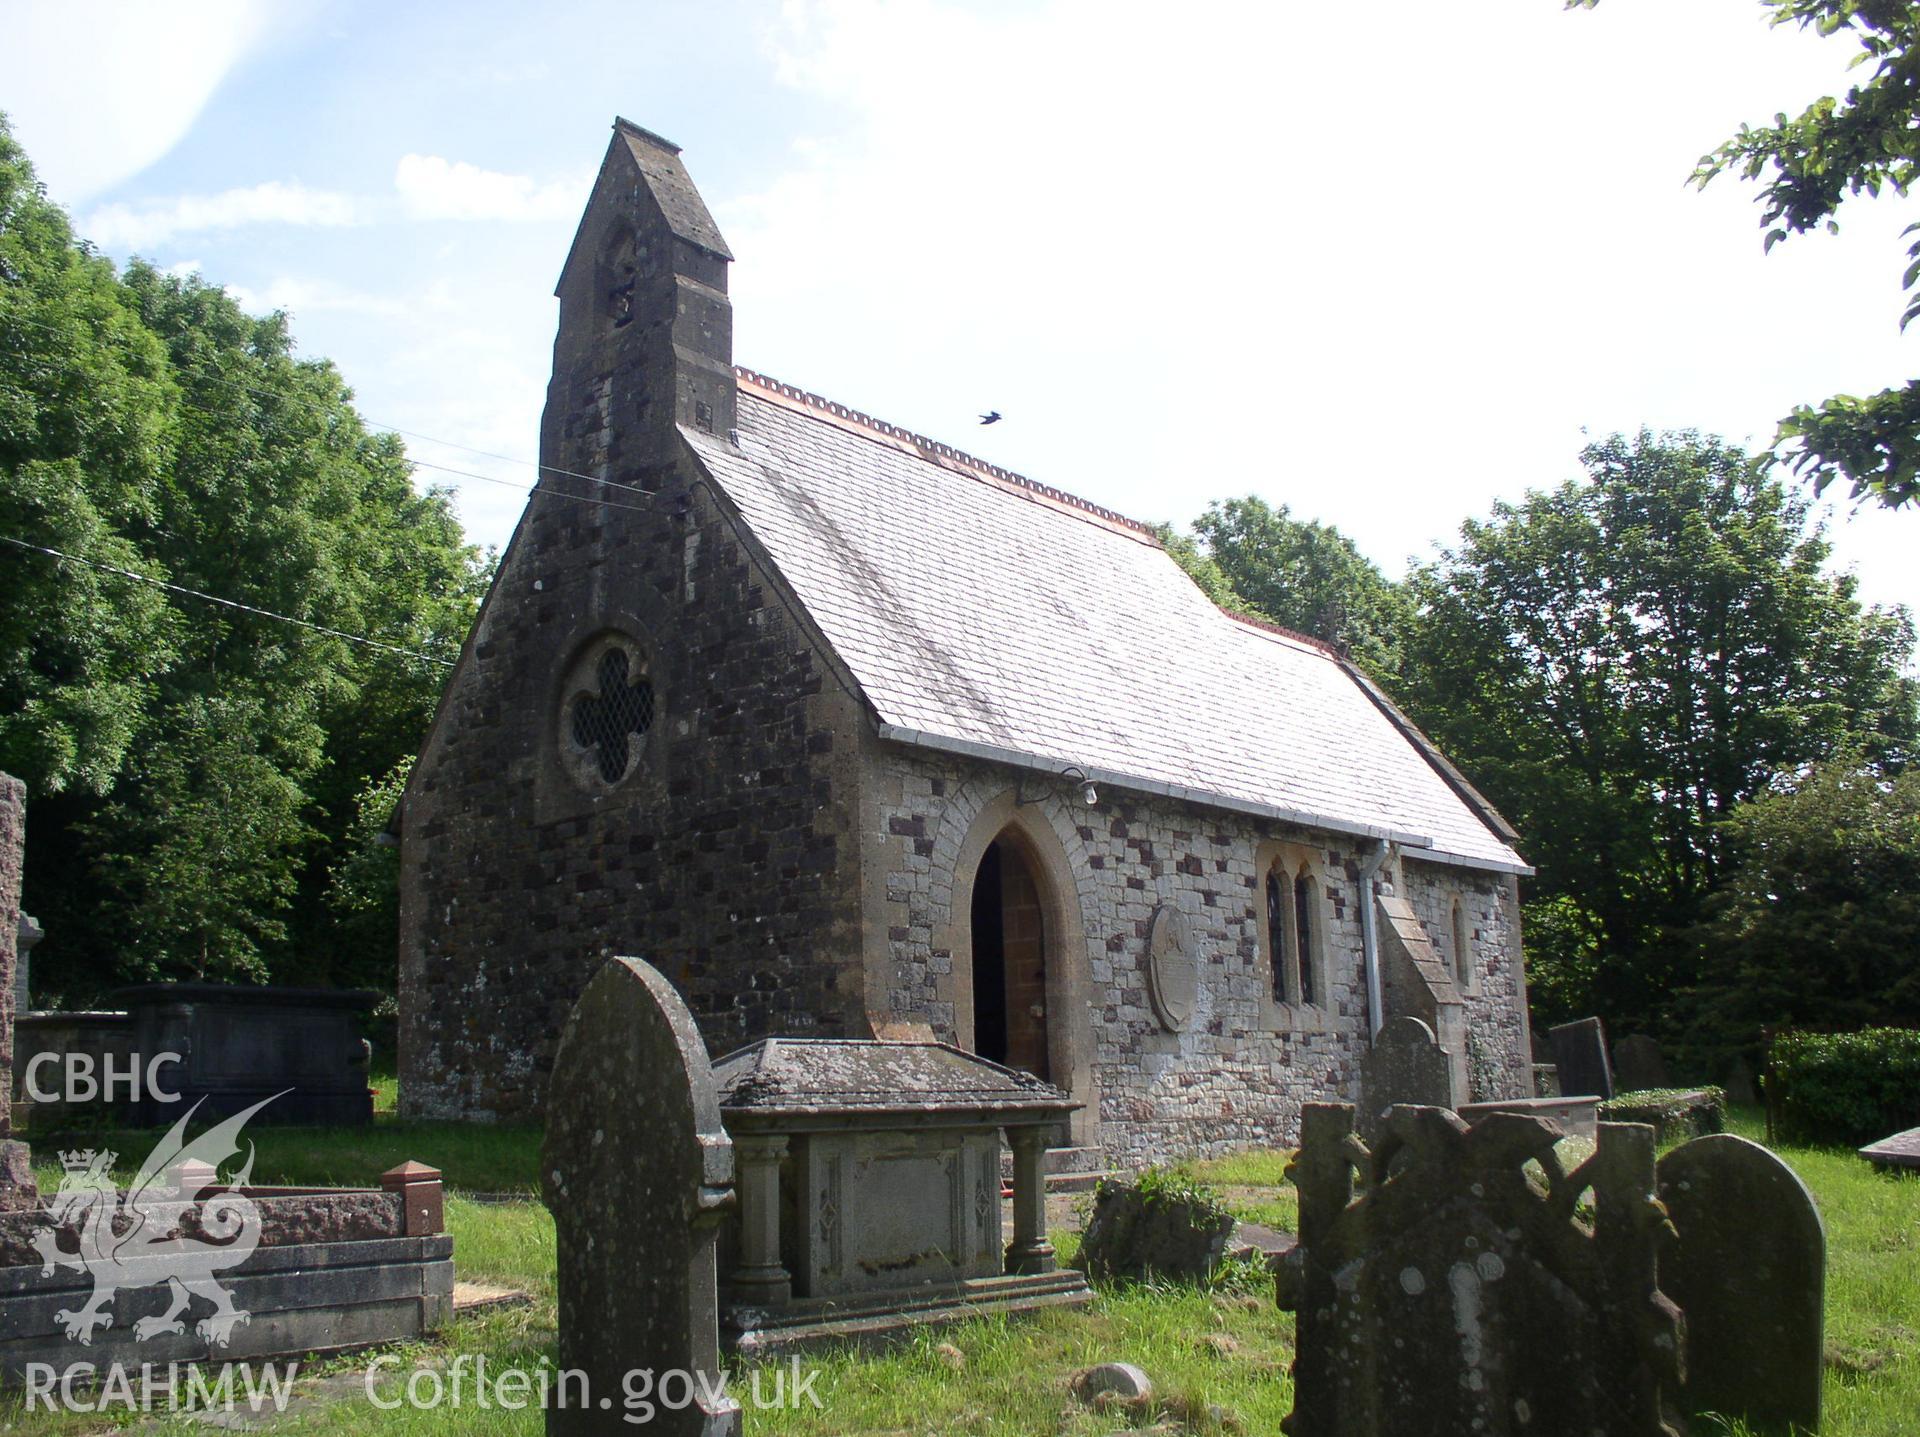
x=892, y=1316
x=336, y=1269
x=1579, y=1117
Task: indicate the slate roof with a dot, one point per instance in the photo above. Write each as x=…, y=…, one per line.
x=981, y=613
x=847, y=1075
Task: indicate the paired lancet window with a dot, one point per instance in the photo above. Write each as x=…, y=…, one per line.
x=1294, y=936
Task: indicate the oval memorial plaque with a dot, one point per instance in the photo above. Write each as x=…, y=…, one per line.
x=1173, y=971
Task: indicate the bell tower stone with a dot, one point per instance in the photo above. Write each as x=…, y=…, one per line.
x=646, y=331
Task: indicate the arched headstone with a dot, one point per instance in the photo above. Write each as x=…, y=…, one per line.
x=1406, y=1064
x=1749, y=1272
x=636, y=1170
x=1638, y=1064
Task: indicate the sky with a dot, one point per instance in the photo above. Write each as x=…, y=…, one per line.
x=1382, y=264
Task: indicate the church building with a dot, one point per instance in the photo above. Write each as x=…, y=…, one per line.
x=852, y=734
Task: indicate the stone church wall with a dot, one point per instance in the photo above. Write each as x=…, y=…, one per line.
x=1241, y=1067
x=1499, y=1061
x=719, y=859
x=645, y=751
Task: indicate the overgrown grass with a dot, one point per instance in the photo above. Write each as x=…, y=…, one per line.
x=1254, y=1187
x=1218, y=1360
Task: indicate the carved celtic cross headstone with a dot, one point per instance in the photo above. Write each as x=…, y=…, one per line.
x=1452, y=1285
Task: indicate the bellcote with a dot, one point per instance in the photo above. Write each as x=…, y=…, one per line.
x=645, y=340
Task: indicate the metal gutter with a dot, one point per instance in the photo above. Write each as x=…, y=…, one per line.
x=1370, y=939
x=970, y=748
x=1014, y=758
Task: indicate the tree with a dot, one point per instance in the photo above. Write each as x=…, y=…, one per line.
x=87, y=411
x=1815, y=923
x=1203, y=569
x=197, y=770
x=1300, y=574
x=1620, y=662
x=1809, y=165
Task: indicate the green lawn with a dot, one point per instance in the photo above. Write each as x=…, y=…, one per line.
x=1219, y=1360
x=473, y=1157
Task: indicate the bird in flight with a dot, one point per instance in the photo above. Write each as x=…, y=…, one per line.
x=992, y=416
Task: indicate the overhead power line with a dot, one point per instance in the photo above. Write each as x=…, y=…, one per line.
x=313, y=407
x=225, y=603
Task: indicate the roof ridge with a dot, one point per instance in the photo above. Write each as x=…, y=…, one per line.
x=1255, y=621
x=939, y=452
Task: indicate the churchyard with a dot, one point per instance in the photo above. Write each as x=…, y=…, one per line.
x=1084, y=986
x=1218, y=1358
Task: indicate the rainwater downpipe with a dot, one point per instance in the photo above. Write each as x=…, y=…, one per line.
x=1370, y=935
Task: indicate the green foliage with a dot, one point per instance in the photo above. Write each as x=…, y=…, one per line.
x=1816, y=920
x=88, y=409
x=1837, y=147
x=1621, y=661
x=1563, y=951
x=363, y=888
x=1850, y=1088
x=1301, y=574
x=196, y=773
x=1203, y=569
x=1176, y=1185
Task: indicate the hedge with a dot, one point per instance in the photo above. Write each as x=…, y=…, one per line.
x=1849, y=1088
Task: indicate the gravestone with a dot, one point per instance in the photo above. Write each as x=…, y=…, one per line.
x=241, y=1043
x=1406, y=1064
x=1442, y=1291
x=1638, y=1064
x=868, y=1176
x=29, y=938
x=1749, y=1271
x=637, y=1170
x=1740, y=1086
x=1580, y=1053
x=1901, y=1152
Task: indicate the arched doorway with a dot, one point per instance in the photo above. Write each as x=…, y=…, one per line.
x=1010, y=959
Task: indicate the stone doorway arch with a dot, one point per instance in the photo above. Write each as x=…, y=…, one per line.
x=1025, y=841
x=1009, y=927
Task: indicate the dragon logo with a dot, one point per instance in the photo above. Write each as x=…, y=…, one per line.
x=145, y=1236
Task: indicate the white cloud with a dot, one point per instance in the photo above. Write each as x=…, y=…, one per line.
x=303, y=296
x=148, y=72
x=275, y=202
x=1379, y=274
x=429, y=188
x=432, y=188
